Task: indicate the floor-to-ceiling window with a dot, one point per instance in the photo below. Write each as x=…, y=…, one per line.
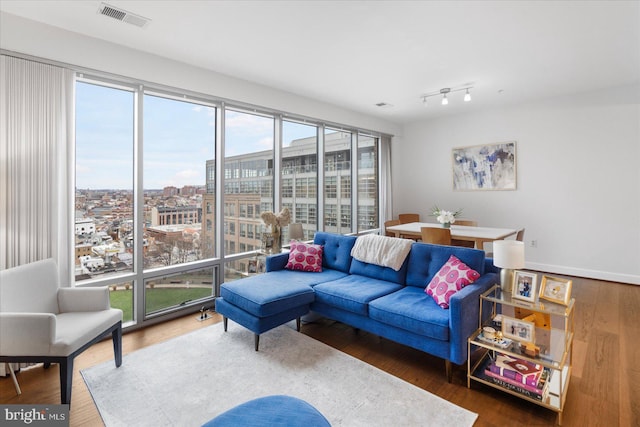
x=104, y=183
x=140, y=206
x=337, y=181
x=300, y=174
x=368, y=183
x=248, y=184
x=170, y=188
x=179, y=140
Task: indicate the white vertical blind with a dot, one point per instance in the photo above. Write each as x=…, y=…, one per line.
x=36, y=149
x=386, y=202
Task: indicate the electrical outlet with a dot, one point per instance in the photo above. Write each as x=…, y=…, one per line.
x=534, y=244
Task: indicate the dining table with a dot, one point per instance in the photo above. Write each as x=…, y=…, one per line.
x=478, y=235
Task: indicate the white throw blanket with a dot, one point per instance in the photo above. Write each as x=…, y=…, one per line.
x=381, y=250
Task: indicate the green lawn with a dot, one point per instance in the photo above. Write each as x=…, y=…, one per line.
x=157, y=299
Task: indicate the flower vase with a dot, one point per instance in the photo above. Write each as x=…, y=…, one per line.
x=446, y=225
x=277, y=240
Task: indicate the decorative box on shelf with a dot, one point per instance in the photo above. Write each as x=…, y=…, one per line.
x=533, y=360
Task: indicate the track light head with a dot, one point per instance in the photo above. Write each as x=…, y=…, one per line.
x=444, y=93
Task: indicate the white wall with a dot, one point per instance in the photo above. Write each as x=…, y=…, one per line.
x=578, y=177
x=44, y=41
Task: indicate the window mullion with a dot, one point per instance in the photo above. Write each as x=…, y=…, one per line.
x=320, y=191
x=138, y=209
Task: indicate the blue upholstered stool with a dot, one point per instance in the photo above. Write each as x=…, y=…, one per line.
x=260, y=306
x=271, y=411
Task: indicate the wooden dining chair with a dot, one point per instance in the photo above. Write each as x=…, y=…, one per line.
x=406, y=218
x=464, y=243
x=436, y=236
x=519, y=237
x=467, y=222
x=390, y=223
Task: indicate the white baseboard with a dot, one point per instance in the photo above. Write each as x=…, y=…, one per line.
x=581, y=272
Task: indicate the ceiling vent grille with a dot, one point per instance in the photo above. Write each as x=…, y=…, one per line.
x=123, y=15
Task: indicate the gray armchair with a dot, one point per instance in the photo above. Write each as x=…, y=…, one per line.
x=42, y=322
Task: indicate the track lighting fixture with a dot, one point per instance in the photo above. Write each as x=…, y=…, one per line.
x=445, y=92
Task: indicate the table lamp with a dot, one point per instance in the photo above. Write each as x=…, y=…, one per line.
x=509, y=256
x=295, y=231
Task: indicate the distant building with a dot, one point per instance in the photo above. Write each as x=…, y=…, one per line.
x=170, y=191
x=248, y=188
x=188, y=191
x=83, y=250
x=85, y=226
x=174, y=215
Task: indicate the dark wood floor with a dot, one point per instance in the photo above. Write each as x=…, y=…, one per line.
x=604, y=388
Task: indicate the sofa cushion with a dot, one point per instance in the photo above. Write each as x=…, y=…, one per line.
x=353, y=293
x=337, y=250
x=264, y=296
x=305, y=257
x=452, y=277
x=425, y=261
x=412, y=310
x=379, y=272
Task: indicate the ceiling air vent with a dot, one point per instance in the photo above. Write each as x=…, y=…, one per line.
x=123, y=15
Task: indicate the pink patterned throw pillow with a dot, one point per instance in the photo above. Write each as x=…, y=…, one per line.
x=305, y=257
x=453, y=276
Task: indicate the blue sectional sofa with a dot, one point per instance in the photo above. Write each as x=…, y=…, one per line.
x=380, y=300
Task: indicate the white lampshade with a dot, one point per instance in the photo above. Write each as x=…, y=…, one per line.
x=508, y=254
x=295, y=231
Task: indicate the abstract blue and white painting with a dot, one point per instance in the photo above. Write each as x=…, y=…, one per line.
x=485, y=167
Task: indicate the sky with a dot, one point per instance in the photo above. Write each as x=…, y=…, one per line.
x=179, y=137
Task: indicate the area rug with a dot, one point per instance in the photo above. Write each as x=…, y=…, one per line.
x=190, y=379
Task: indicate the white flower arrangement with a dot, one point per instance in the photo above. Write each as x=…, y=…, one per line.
x=445, y=217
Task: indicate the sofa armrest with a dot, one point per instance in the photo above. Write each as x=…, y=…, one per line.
x=83, y=299
x=277, y=262
x=464, y=312
x=489, y=267
x=26, y=334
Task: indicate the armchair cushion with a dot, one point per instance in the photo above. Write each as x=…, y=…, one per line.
x=74, y=330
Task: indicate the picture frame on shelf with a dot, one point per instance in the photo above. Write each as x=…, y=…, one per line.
x=556, y=289
x=524, y=286
x=518, y=330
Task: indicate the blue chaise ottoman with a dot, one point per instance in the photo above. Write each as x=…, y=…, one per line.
x=271, y=411
x=260, y=306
